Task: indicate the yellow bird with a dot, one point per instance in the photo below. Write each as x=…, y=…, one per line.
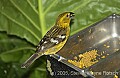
x=54, y=39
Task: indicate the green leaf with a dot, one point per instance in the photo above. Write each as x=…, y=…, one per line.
x=17, y=19
x=12, y=46
x=13, y=52
x=34, y=18
x=11, y=70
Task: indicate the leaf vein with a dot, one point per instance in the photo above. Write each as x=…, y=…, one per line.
x=21, y=26
x=25, y=15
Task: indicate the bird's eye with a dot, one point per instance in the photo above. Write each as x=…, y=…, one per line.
x=68, y=15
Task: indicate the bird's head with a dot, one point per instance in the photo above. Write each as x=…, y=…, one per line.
x=64, y=19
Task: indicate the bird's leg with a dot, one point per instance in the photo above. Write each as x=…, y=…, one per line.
x=59, y=57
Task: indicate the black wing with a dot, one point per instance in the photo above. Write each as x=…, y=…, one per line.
x=53, y=37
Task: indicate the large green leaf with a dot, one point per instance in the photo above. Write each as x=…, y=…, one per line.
x=13, y=52
x=26, y=21
x=18, y=18
x=30, y=19
x=11, y=46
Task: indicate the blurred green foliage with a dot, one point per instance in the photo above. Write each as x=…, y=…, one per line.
x=24, y=22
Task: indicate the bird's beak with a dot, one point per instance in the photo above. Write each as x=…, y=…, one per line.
x=72, y=15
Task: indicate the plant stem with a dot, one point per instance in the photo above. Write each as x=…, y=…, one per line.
x=41, y=18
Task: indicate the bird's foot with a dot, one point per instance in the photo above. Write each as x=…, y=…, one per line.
x=60, y=58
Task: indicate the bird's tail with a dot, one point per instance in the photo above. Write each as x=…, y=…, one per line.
x=28, y=62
